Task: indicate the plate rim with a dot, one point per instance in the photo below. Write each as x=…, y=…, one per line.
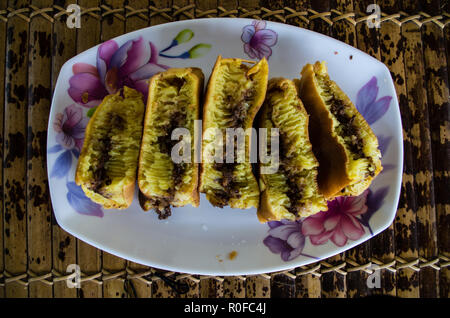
x=282, y=266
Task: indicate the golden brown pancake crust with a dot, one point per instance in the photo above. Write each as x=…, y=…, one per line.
x=187, y=193
x=333, y=154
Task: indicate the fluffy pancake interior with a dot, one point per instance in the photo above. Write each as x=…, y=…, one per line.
x=234, y=97
x=352, y=131
x=108, y=162
x=292, y=191
x=173, y=103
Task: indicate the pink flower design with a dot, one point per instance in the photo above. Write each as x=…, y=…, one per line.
x=70, y=126
x=339, y=223
x=131, y=64
x=285, y=238
x=258, y=40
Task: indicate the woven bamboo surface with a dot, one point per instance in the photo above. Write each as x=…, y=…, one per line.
x=413, y=253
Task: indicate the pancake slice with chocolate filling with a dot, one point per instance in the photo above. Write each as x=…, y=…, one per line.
x=173, y=102
x=342, y=140
x=291, y=191
x=235, y=93
x=107, y=166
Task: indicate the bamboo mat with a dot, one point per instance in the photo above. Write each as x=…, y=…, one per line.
x=413, y=253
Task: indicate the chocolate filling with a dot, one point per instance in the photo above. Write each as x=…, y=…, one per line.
x=98, y=168
x=238, y=109
x=239, y=113
x=176, y=82
x=99, y=172
x=161, y=205
x=116, y=121
x=227, y=182
x=351, y=131
x=165, y=142
x=354, y=141
x=295, y=189
x=294, y=193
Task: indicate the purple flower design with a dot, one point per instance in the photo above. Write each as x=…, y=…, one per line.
x=69, y=126
x=367, y=103
x=383, y=143
x=372, y=110
x=344, y=220
x=374, y=201
x=347, y=217
x=62, y=165
x=80, y=203
x=258, y=40
x=285, y=238
x=131, y=64
x=339, y=223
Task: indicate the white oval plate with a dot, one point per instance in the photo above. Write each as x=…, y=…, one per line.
x=200, y=240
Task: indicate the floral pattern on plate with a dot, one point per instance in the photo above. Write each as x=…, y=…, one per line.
x=130, y=64
x=69, y=127
x=217, y=230
x=258, y=41
x=347, y=217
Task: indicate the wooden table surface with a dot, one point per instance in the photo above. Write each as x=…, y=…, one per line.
x=413, y=41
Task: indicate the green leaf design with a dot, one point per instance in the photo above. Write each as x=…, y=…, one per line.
x=91, y=111
x=184, y=36
x=199, y=50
